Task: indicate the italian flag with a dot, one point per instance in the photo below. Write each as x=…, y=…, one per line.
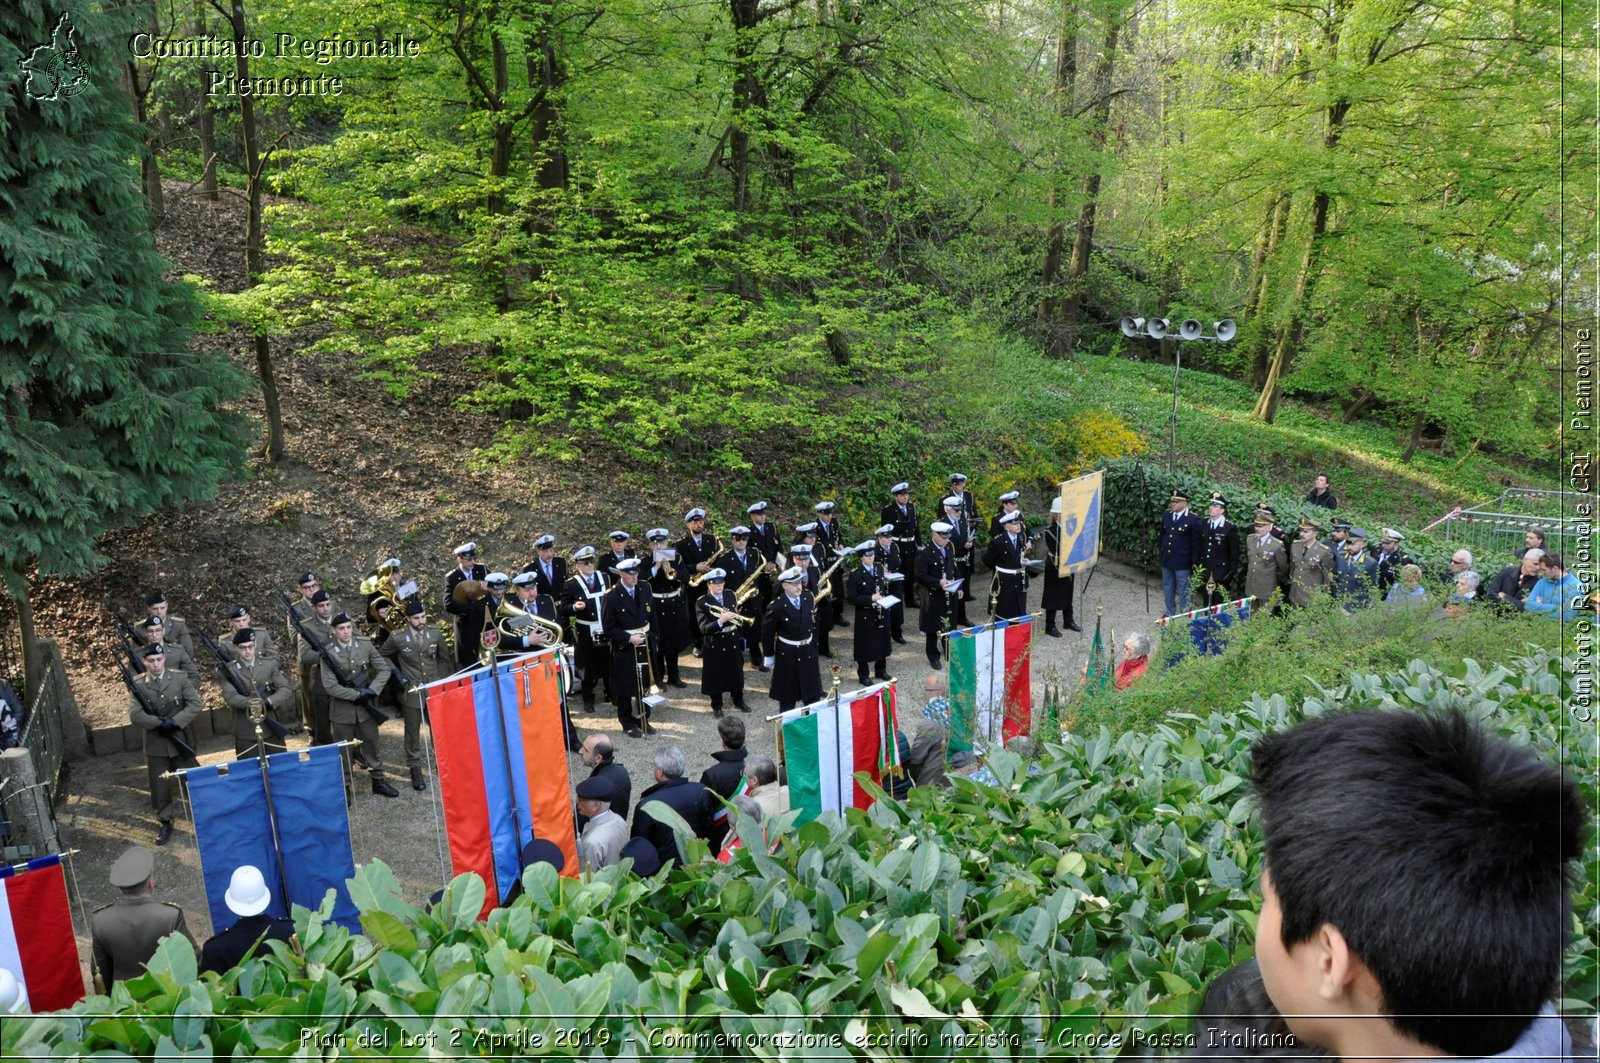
x=824, y=748
x=989, y=682
x=36, y=941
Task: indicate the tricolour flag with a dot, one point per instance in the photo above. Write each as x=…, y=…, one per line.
x=990, y=689
x=36, y=941
x=824, y=748
x=1080, y=523
x=503, y=778
x=1098, y=676
x=308, y=821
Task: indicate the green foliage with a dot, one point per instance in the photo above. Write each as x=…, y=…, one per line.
x=107, y=416
x=1096, y=893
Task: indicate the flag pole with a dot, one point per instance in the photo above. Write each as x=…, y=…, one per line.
x=258, y=712
x=491, y=638
x=835, y=742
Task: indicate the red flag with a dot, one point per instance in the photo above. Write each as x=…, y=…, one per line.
x=36, y=941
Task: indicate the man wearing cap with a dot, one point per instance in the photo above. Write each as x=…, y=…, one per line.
x=764, y=538
x=173, y=628
x=467, y=568
x=178, y=659
x=627, y=615
x=361, y=674
x=671, y=612
x=531, y=599
x=255, y=680
x=1338, y=537
x=829, y=540
x=746, y=567
x=696, y=552
x=1219, y=553
x=125, y=933
x=617, y=551
x=417, y=654
x=307, y=682
x=720, y=636
x=1006, y=555
x=1266, y=561
x=248, y=897
x=971, y=517
x=900, y=513
x=802, y=557
x=961, y=549
x=319, y=627
x=169, y=705
x=481, y=615
x=935, y=572
x=550, y=570
x=791, y=645
x=893, y=565
x=1009, y=503
x=1391, y=559
x=1058, y=590
x=238, y=620
x=646, y=861
x=1355, y=572
x=1178, y=549
x=1310, y=565
x=581, y=598
x=605, y=832
x=866, y=589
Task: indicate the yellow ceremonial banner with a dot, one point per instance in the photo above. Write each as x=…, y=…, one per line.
x=1080, y=524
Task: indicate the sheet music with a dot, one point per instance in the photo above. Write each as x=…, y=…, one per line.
x=406, y=589
x=954, y=585
x=888, y=602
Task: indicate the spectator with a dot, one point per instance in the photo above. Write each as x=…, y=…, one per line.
x=687, y=798
x=1408, y=590
x=1557, y=594
x=761, y=786
x=742, y=806
x=1533, y=539
x=1446, y=937
x=1321, y=495
x=723, y=777
x=1466, y=592
x=1460, y=562
x=247, y=897
x=646, y=861
x=596, y=753
x=1135, y=659
x=1512, y=584
x=605, y=832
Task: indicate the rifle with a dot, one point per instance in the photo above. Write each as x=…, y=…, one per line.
x=278, y=730
x=329, y=659
x=130, y=641
x=144, y=702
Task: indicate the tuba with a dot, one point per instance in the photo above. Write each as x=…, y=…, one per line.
x=513, y=621
x=386, y=595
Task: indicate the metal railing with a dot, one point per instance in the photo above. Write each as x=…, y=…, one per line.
x=27, y=791
x=1495, y=529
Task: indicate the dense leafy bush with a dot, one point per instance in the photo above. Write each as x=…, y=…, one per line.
x=1091, y=896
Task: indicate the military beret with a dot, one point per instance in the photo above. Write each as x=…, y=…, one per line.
x=307, y=577
x=543, y=541
x=155, y=597
x=244, y=635
x=155, y=649
x=415, y=607
x=543, y=851
x=596, y=788
x=340, y=618
x=320, y=597
x=900, y=488
x=646, y=861
x=153, y=621
x=238, y=612
x=132, y=868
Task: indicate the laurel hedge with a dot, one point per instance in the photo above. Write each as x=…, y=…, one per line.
x=1077, y=909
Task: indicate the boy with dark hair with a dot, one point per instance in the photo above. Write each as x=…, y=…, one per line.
x=1415, y=894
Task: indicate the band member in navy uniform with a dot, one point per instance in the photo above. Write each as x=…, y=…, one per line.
x=886, y=552
x=627, y=617
x=745, y=566
x=1219, y=553
x=467, y=567
x=803, y=558
x=721, y=638
x=580, y=607
x=791, y=644
x=971, y=515
x=617, y=550
x=865, y=587
x=697, y=552
x=1006, y=555
x=481, y=614
x=534, y=602
x=1058, y=590
x=550, y=569
x=961, y=546
x=765, y=538
x=900, y=513
x=1008, y=504
x=672, y=614
x=936, y=570
x=830, y=542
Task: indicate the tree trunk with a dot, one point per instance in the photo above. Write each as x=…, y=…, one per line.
x=32, y=659
x=254, y=246
x=1352, y=412
x=1055, y=239
x=1083, y=242
x=205, y=120
x=748, y=95
x=1255, y=300
x=1416, y=437
x=149, y=164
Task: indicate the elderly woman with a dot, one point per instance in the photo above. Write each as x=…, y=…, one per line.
x=1135, y=659
x=1408, y=588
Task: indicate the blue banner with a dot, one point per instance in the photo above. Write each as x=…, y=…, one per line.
x=1208, y=629
x=232, y=828
x=1080, y=523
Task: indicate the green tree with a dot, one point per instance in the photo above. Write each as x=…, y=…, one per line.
x=106, y=414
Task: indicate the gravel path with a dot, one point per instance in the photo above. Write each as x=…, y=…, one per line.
x=107, y=807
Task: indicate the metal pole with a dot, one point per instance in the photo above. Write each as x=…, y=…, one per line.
x=1172, y=448
x=505, y=744
x=257, y=717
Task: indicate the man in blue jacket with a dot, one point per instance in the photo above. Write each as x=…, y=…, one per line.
x=1558, y=592
x=1182, y=536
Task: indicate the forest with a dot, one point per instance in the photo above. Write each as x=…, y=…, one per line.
x=699, y=226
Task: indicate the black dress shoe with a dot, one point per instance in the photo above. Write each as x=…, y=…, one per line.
x=417, y=782
x=164, y=835
x=647, y=729
x=762, y=668
x=676, y=682
x=741, y=706
x=1073, y=626
x=716, y=714
x=634, y=732
x=900, y=639
x=880, y=675
x=1053, y=631
x=588, y=702
x=382, y=787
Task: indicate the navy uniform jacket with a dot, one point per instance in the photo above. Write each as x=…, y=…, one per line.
x=1219, y=551
x=907, y=529
x=1180, y=543
x=558, y=579
x=225, y=950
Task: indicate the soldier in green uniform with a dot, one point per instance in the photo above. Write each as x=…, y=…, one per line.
x=310, y=690
x=178, y=658
x=173, y=628
x=314, y=696
x=418, y=653
x=239, y=620
x=173, y=705
x=1267, y=561
x=264, y=681
x=367, y=671
x=124, y=934
x=1310, y=564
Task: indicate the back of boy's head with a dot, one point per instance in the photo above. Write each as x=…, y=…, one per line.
x=1439, y=852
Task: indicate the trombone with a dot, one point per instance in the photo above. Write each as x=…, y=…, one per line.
x=650, y=659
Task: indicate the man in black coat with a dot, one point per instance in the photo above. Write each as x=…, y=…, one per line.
x=550, y=570
x=248, y=897
x=829, y=545
x=1321, y=494
x=901, y=515
x=935, y=571
x=625, y=616
x=721, y=641
x=725, y=777
x=1219, y=553
x=746, y=566
x=596, y=753
x=791, y=645
x=687, y=798
x=1006, y=556
x=1058, y=590
x=668, y=591
x=467, y=567
x=1178, y=549
x=697, y=551
x=1391, y=559
x=864, y=588
x=894, y=565
x=1511, y=584
x=581, y=599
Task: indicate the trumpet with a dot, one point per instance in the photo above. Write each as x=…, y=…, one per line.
x=513, y=621
x=732, y=617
